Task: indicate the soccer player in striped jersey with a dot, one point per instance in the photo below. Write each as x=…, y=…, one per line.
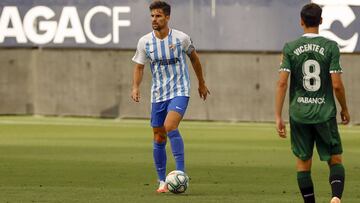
x=165, y=50
x=312, y=62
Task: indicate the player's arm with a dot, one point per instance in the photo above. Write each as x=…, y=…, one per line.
x=340, y=96
x=137, y=78
x=140, y=59
x=281, y=88
x=195, y=61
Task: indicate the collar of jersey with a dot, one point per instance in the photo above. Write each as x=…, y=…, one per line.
x=169, y=34
x=311, y=35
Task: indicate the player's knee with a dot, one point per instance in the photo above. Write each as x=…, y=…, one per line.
x=159, y=137
x=170, y=127
x=304, y=165
x=335, y=159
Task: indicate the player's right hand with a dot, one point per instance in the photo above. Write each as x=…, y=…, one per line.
x=135, y=94
x=345, y=117
x=203, y=91
x=281, y=128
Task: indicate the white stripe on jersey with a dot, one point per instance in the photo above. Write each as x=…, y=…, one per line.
x=181, y=66
x=186, y=75
x=165, y=70
x=170, y=68
x=184, y=67
x=159, y=76
x=178, y=72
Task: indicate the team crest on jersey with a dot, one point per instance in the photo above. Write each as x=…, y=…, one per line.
x=172, y=46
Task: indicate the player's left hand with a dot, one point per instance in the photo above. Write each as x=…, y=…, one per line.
x=281, y=128
x=203, y=91
x=345, y=117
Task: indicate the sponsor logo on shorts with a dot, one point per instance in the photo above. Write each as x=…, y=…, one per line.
x=178, y=108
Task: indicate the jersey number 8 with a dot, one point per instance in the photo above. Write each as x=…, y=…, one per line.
x=311, y=72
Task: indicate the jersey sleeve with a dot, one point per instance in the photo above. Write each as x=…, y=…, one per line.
x=285, y=60
x=140, y=54
x=188, y=45
x=335, y=66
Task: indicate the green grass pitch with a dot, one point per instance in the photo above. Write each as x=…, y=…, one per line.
x=94, y=160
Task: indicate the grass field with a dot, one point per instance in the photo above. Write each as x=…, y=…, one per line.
x=90, y=160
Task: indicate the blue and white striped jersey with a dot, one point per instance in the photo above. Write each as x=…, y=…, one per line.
x=167, y=57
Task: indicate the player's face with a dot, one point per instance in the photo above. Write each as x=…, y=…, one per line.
x=158, y=19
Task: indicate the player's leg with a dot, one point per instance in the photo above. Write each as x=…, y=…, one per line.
x=177, y=145
x=329, y=146
x=159, y=152
x=176, y=111
x=304, y=180
x=302, y=144
x=158, y=115
x=336, y=177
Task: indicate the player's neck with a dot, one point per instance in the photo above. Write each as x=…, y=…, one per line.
x=161, y=34
x=313, y=30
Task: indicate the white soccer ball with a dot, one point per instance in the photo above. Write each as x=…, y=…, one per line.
x=177, y=182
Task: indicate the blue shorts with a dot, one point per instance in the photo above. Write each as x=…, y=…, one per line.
x=160, y=110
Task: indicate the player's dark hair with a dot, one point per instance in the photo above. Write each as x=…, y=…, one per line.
x=165, y=7
x=311, y=15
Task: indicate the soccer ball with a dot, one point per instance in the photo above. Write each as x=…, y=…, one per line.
x=177, y=182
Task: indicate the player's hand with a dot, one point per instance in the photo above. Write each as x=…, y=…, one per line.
x=203, y=91
x=135, y=94
x=280, y=127
x=345, y=117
